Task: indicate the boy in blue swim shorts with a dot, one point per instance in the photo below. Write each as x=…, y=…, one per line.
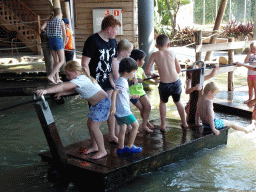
x=205, y=113
x=120, y=107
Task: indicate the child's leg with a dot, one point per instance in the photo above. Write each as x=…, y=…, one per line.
x=121, y=136
x=97, y=140
x=59, y=60
x=250, y=89
x=111, y=123
x=181, y=111
x=162, y=109
x=254, y=87
x=235, y=126
x=133, y=134
x=144, y=106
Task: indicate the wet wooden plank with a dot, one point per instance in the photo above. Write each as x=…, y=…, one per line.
x=159, y=149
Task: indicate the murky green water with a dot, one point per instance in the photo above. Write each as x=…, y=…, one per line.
x=226, y=168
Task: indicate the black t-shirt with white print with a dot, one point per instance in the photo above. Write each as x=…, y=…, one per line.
x=101, y=54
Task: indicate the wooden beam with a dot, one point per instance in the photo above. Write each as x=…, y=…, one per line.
x=221, y=70
x=223, y=46
x=216, y=28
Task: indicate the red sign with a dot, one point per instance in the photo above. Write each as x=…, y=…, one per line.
x=116, y=13
x=106, y=12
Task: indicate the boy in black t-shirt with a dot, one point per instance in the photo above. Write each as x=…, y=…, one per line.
x=99, y=54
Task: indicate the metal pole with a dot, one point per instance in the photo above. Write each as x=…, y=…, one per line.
x=146, y=27
x=71, y=4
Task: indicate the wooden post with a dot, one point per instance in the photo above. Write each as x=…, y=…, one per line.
x=39, y=50
x=231, y=61
x=198, y=39
x=47, y=55
x=216, y=28
x=51, y=133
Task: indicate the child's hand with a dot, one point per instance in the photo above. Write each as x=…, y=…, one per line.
x=41, y=92
x=216, y=132
x=135, y=96
x=198, y=87
x=237, y=64
x=199, y=124
x=112, y=110
x=216, y=65
x=58, y=95
x=157, y=81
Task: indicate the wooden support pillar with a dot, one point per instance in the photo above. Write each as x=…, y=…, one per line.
x=197, y=78
x=51, y=133
x=47, y=55
x=216, y=28
x=231, y=61
x=198, y=39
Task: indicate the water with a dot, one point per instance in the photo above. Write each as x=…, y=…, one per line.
x=226, y=168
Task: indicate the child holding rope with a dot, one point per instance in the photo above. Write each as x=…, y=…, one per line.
x=55, y=30
x=87, y=87
x=251, y=79
x=170, y=84
x=142, y=103
x=198, y=87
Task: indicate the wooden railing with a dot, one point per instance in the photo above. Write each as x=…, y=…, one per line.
x=17, y=16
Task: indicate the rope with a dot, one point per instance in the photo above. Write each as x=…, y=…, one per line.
x=3, y=49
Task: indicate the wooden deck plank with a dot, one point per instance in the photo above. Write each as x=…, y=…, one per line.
x=159, y=149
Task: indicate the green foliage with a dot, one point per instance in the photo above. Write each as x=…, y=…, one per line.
x=162, y=18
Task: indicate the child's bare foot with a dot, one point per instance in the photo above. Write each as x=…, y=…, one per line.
x=91, y=150
x=162, y=128
x=51, y=80
x=99, y=155
x=250, y=128
x=184, y=125
x=113, y=139
x=150, y=126
x=147, y=129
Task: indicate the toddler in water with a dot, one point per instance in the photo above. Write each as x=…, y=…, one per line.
x=120, y=107
x=87, y=87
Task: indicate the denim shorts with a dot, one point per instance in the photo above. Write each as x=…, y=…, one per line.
x=55, y=43
x=125, y=120
x=100, y=111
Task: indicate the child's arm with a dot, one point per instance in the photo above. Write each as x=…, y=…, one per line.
x=248, y=56
x=111, y=80
x=58, y=88
x=115, y=68
x=64, y=33
x=150, y=64
x=85, y=63
x=211, y=119
x=69, y=92
x=150, y=81
x=247, y=66
x=113, y=102
x=43, y=27
x=177, y=65
x=134, y=96
x=212, y=72
x=190, y=89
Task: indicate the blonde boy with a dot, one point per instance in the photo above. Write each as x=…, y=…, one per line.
x=170, y=84
x=205, y=113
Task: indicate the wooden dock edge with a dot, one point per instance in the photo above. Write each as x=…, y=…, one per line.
x=114, y=178
x=232, y=110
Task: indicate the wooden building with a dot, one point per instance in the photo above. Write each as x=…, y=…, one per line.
x=23, y=17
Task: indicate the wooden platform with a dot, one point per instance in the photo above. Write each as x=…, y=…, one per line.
x=233, y=103
x=159, y=149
